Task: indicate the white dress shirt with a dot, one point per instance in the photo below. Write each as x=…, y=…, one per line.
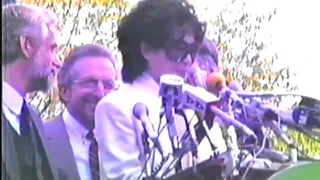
x=79, y=143
x=118, y=132
x=12, y=105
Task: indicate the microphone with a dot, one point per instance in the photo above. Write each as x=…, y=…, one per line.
x=202, y=101
x=171, y=93
x=217, y=83
x=141, y=112
x=218, y=80
x=308, y=117
x=234, y=86
x=269, y=116
x=299, y=122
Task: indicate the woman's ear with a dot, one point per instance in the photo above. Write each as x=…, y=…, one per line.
x=146, y=51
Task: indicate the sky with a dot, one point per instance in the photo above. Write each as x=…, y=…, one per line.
x=296, y=36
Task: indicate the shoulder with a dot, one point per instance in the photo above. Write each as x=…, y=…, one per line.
x=54, y=124
x=120, y=98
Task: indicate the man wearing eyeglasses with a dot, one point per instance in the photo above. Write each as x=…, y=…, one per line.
x=88, y=74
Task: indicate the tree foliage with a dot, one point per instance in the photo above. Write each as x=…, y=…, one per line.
x=247, y=52
x=248, y=57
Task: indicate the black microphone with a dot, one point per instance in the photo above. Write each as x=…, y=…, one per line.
x=306, y=116
x=141, y=112
x=268, y=117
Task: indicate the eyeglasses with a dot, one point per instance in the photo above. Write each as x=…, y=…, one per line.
x=178, y=50
x=94, y=83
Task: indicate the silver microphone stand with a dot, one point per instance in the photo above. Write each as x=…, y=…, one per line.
x=171, y=92
x=231, y=156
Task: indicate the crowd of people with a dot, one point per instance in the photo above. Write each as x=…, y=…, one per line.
x=97, y=137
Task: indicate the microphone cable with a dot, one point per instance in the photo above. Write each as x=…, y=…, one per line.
x=255, y=156
x=153, y=170
x=172, y=163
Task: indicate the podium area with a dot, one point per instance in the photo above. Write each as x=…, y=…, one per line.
x=211, y=170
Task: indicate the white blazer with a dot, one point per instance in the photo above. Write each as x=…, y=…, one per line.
x=118, y=132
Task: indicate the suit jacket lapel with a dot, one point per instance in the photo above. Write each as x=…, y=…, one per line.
x=58, y=137
x=38, y=124
x=9, y=154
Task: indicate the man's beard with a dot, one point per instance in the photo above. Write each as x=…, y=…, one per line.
x=41, y=83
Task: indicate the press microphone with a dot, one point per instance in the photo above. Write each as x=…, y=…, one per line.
x=299, y=121
x=171, y=94
x=307, y=117
x=141, y=112
x=234, y=86
x=202, y=101
x=216, y=82
x=268, y=117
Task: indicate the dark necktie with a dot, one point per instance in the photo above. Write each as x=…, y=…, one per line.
x=93, y=157
x=27, y=144
x=25, y=121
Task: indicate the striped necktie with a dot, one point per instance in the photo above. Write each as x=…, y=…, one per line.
x=93, y=156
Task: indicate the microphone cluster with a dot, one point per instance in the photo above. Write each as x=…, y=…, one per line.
x=176, y=95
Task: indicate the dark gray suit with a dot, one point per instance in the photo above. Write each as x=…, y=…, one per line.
x=58, y=140
x=10, y=164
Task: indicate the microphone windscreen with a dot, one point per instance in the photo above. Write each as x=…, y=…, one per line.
x=235, y=86
x=215, y=81
x=140, y=109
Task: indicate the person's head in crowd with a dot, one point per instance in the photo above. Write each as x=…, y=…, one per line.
x=29, y=50
x=206, y=62
x=208, y=57
x=87, y=74
x=159, y=37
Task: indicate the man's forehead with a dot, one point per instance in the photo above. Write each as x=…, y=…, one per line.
x=93, y=66
x=51, y=34
x=96, y=61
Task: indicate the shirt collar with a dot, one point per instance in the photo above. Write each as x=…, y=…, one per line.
x=11, y=98
x=73, y=126
x=147, y=83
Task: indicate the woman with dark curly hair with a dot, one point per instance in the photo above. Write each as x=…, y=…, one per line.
x=157, y=37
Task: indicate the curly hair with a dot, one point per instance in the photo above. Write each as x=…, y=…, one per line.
x=151, y=22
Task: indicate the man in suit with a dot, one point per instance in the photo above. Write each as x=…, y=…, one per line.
x=155, y=38
x=88, y=74
x=29, y=63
